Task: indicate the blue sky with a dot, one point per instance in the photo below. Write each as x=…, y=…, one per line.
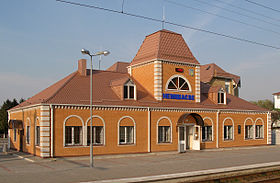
x=40, y=40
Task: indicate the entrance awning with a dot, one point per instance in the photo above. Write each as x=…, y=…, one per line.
x=15, y=124
x=197, y=118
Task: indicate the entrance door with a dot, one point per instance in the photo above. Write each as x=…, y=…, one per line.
x=182, y=139
x=196, y=138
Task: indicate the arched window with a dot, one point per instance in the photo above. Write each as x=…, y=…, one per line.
x=228, y=128
x=37, y=132
x=259, y=131
x=249, y=128
x=164, y=130
x=126, y=126
x=178, y=83
x=98, y=130
x=73, y=131
x=28, y=126
x=207, y=129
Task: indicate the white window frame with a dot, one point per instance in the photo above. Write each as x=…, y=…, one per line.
x=220, y=93
x=261, y=131
x=28, y=135
x=227, y=84
x=28, y=127
x=126, y=131
x=94, y=135
x=104, y=129
x=129, y=84
x=134, y=131
x=64, y=131
x=37, y=135
x=178, y=89
x=73, y=136
x=262, y=134
x=206, y=134
x=212, y=124
x=170, y=125
x=250, y=131
x=232, y=125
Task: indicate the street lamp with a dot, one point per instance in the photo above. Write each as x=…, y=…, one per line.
x=87, y=52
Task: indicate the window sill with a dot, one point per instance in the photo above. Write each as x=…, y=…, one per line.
x=164, y=143
x=228, y=140
x=127, y=144
x=96, y=145
x=74, y=146
x=207, y=141
x=248, y=139
x=259, y=138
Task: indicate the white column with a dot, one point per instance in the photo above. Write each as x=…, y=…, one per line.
x=197, y=83
x=158, y=80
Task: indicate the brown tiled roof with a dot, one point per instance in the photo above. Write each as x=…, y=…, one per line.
x=208, y=71
x=278, y=93
x=74, y=89
x=206, y=88
x=119, y=67
x=164, y=45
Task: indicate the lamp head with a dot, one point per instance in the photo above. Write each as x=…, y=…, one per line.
x=106, y=52
x=85, y=52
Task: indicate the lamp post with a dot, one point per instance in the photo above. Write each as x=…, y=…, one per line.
x=86, y=52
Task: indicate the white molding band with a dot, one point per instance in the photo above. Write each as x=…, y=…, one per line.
x=158, y=80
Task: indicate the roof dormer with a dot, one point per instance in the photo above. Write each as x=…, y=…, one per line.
x=221, y=98
x=129, y=90
x=124, y=88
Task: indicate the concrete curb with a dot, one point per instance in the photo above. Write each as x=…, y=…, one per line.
x=188, y=174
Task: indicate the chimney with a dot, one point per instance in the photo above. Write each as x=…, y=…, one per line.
x=82, y=67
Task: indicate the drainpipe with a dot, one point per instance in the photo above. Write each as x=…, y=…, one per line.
x=51, y=106
x=217, y=129
x=149, y=129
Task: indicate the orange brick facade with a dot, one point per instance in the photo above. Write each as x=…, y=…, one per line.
x=139, y=124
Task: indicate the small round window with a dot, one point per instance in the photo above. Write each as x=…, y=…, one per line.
x=178, y=83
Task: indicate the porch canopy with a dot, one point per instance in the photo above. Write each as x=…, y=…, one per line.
x=15, y=124
x=197, y=117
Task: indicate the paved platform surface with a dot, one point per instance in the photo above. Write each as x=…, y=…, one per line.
x=15, y=167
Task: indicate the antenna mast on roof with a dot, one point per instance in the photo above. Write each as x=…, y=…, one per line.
x=163, y=16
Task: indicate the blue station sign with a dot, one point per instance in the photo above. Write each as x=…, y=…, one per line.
x=177, y=96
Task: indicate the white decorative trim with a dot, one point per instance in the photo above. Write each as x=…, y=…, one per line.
x=181, y=76
x=64, y=123
x=232, y=129
x=134, y=130
x=104, y=129
x=259, y=119
x=212, y=129
x=245, y=128
x=165, y=117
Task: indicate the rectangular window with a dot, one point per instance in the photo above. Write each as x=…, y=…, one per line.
x=164, y=134
x=207, y=133
x=228, y=132
x=221, y=98
x=259, y=131
x=97, y=135
x=249, y=131
x=15, y=135
x=28, y=134
x=73, y=135
x=126, y=135
x=131, y=92
x=37, y=136
x=125, y=91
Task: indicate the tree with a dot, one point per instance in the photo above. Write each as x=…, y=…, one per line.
x=8, y=104
x=268, y=104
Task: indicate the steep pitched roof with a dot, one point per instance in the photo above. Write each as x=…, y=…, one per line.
x=208, y=71
x=119, y=67
x=74, y=89
x=164, y=45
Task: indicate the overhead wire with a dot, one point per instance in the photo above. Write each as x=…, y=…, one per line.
x=237, y=13
x=224, y=17
x=170, y=23
x=261, y=5
x=248, y=10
